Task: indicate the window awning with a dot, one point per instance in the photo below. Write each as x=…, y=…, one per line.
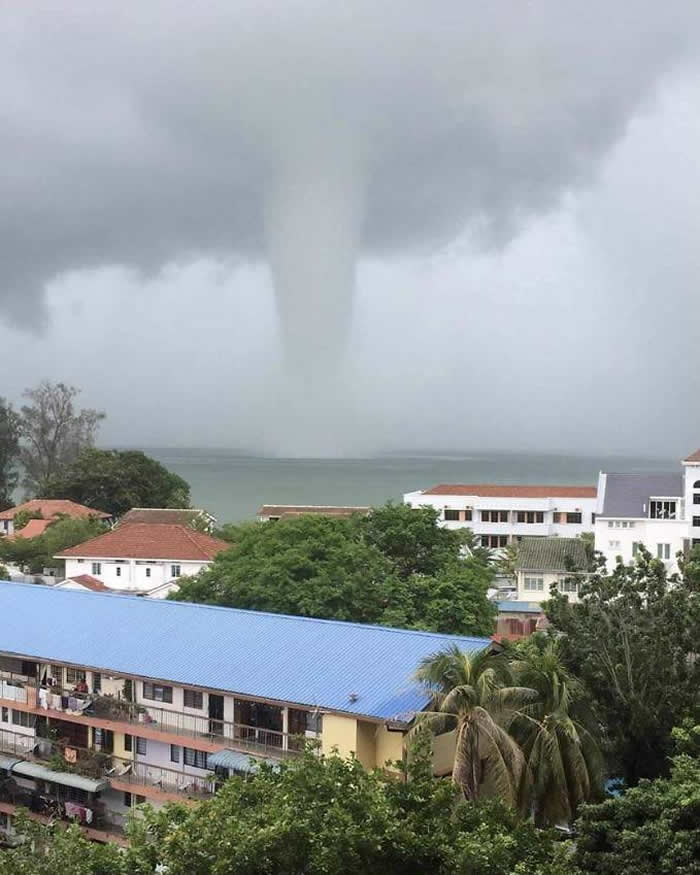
x=7, y=762
x=67, y=779
x=239, y=762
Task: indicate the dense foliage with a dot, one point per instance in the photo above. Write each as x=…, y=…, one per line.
x=652, y=829
x=395, y=566
x=35, y=554
x=115, y=481
x=632, y=640
x=318, y=816
x=9, y=452
x=53, y=433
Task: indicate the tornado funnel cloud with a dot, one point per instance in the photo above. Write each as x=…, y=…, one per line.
x=313, y=213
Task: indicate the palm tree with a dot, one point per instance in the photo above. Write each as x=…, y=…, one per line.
x=470, y=694
x=557, y=735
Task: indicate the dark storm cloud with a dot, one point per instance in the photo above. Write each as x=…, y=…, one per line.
x=149, y=133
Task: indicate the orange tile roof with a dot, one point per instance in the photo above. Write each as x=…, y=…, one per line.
x=50, y=507
x=299, y=509
x=31, y=530
x=149, y=541
x=693, y=457
x=89, y=582
x=491, y=490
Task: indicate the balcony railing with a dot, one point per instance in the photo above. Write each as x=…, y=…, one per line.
x=258, y=741
x=100, y=764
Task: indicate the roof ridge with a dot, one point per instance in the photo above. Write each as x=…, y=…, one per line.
x=190, y=533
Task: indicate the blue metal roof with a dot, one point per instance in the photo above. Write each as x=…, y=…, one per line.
x=520, y=607
x=349, y=667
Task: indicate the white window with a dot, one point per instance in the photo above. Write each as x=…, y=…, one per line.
x=119, y=571
x=568, y=585
x=663, y=551
x=624, y=524
x=610, y=524
x=148, y=572
x=534, y=584
x=662, y=510
x=614, y=545
x=97, y=568
x=635, y=548
x=141, y=746
x=174, y=570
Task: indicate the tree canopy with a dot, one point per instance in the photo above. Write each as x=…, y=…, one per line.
x=314, y=816
x=652, y=829
x=9, y=453
x=53, y=433
x=632, y=639
x=357, y=569
x=117, y=480
x=37, y=553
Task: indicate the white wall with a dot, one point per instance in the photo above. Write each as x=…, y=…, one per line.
x=692, y=510
x=548, y=578
x=512, y=528
x=132, y=573
x=615, y=537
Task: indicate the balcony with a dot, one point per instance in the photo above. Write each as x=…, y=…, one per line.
x=151, y=721
x=66, y=762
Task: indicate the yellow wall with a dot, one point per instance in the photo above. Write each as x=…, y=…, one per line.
x=443, y=753
x=348, y=735
x=119, y=750
x=389, y=746
x=340, y=733
x=365, y=750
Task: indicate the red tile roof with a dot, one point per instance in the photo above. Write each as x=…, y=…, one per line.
x=299, y=509
x=693, y=457
x=31, y=530
x=491, y=490
x=89, y=582
x=49, y=507
x=150, y=541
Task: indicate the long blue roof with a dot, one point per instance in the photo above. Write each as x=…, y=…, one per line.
x=347, y=667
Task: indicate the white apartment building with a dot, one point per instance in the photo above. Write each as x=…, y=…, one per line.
x=140, y=558
x=660, y=511
x=499, y=515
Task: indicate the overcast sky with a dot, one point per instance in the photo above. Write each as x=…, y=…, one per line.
x=302, y=229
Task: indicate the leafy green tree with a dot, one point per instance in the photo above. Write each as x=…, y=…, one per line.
x=472, y=695
x=4, y=572
x=324, y=566
x=53, y=433
x=411, y=538
x=314, y=816
x=9, y=453
x=57, y=850
x=652, y=829
x=117, y=480
x=22, y=517
x=455, y=599
x=310, y=566
x=632, y=640
x=557, y=734
x=37, y=553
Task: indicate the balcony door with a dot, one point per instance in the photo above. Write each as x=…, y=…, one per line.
x=216, y=714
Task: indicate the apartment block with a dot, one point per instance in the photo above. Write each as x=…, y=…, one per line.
x=107, y=701
x=501, y=515
x=660, y=511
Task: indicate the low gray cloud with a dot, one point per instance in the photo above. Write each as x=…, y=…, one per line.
x=496, y=169
x=138, y=135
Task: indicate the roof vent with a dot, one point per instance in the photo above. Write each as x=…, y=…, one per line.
x=353, y=697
